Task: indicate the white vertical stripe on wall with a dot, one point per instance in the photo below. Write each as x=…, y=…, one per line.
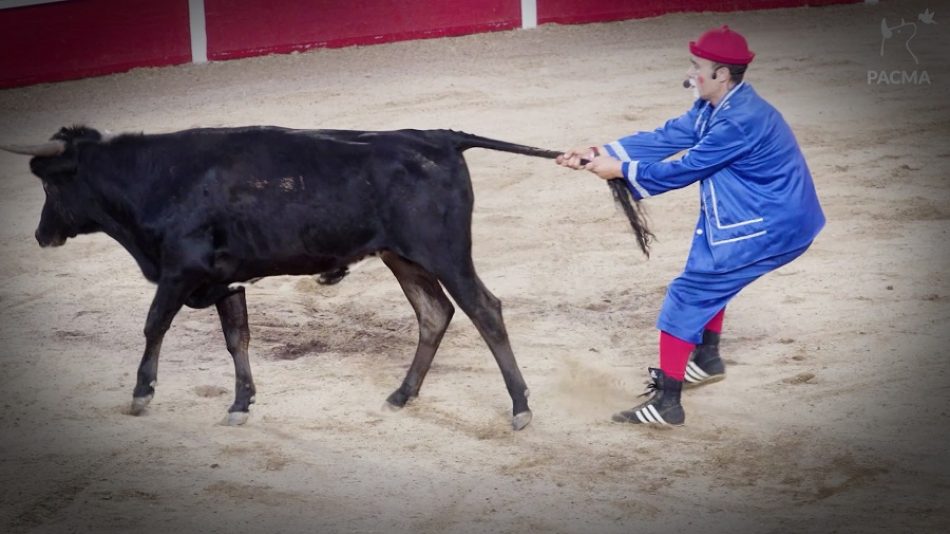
x=199, y=38
x=529, y=13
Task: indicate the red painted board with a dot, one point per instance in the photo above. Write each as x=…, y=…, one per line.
x=78, y=38
x=240, y=28
x=581, y=11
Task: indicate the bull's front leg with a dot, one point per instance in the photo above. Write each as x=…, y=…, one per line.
x=169, y=298
x=232, y=310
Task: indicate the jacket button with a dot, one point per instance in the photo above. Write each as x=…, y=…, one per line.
x=699, y=231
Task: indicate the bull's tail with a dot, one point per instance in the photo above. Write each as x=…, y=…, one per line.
x=631, y=207
x=464, y=141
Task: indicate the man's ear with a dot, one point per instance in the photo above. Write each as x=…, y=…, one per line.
x=719, y=68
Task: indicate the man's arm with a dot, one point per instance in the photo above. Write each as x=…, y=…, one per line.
x=722, y=145
x=676, y=135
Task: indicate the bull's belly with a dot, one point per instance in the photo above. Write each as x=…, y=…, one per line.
x=232, y=266
x=291, y=241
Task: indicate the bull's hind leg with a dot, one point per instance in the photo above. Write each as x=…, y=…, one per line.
x=485, y=311
x=433, y=310
x=232, y=310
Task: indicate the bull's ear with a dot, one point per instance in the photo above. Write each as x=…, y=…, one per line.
x=58, y=167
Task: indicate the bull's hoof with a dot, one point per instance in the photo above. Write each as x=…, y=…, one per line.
x=333, y=277
x=237, y=418
x=139, y=404
x=390, y=407
x=521, y=420
x=397, y=399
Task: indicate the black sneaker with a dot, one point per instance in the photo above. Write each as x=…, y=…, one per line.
x=663, y=408
x=704, y=365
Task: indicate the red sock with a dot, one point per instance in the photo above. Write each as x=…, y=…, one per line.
x=715, y=324
x=674, y=353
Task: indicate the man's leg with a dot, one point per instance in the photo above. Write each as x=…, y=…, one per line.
x=705, y=364
x=674, y=355
x=663, y=407
x=692, y=314
x=693, y=302
x=715, y=324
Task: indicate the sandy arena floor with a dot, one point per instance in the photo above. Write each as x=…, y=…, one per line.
x=834, y=417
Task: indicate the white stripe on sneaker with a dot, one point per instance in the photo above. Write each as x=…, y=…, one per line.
x=656, y=414
x=691, y=377
x=697, y=370
x=640, y=417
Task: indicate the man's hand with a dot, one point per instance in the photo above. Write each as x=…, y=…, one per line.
x=605, y=167
x=572, y=158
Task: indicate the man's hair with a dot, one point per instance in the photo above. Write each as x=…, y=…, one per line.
x=736, y=72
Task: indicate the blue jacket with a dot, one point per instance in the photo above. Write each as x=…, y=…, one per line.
x=757, y=195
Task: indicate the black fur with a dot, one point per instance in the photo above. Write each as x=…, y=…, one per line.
x=202, y=209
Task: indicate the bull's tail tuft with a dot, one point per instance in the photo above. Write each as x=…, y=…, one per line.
x=635, y=214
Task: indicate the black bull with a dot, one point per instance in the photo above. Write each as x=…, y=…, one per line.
x=202, y=209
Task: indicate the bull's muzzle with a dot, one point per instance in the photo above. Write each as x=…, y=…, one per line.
x=49, y=241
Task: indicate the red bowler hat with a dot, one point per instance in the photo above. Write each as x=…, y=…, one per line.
x=722, y=45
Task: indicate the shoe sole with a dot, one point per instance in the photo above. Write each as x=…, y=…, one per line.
x=620, y=418
x=711, y=380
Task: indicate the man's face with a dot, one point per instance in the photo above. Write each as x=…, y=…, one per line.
x=701, y=74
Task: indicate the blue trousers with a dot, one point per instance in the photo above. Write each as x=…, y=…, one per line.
x=693, y=298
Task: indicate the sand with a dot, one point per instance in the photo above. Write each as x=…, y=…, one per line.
x=833, y=417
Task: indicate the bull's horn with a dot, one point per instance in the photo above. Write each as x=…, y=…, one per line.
x=51, y=148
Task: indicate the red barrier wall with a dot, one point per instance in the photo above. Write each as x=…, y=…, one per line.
x=239, y=28
x=75, y=39
x=580, y=11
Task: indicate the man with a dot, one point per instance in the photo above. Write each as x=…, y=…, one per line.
x=758, y=208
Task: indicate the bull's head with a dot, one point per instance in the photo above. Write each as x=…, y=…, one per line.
x=56, y=163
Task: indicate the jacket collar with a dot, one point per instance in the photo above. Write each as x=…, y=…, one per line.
x=703, y=120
